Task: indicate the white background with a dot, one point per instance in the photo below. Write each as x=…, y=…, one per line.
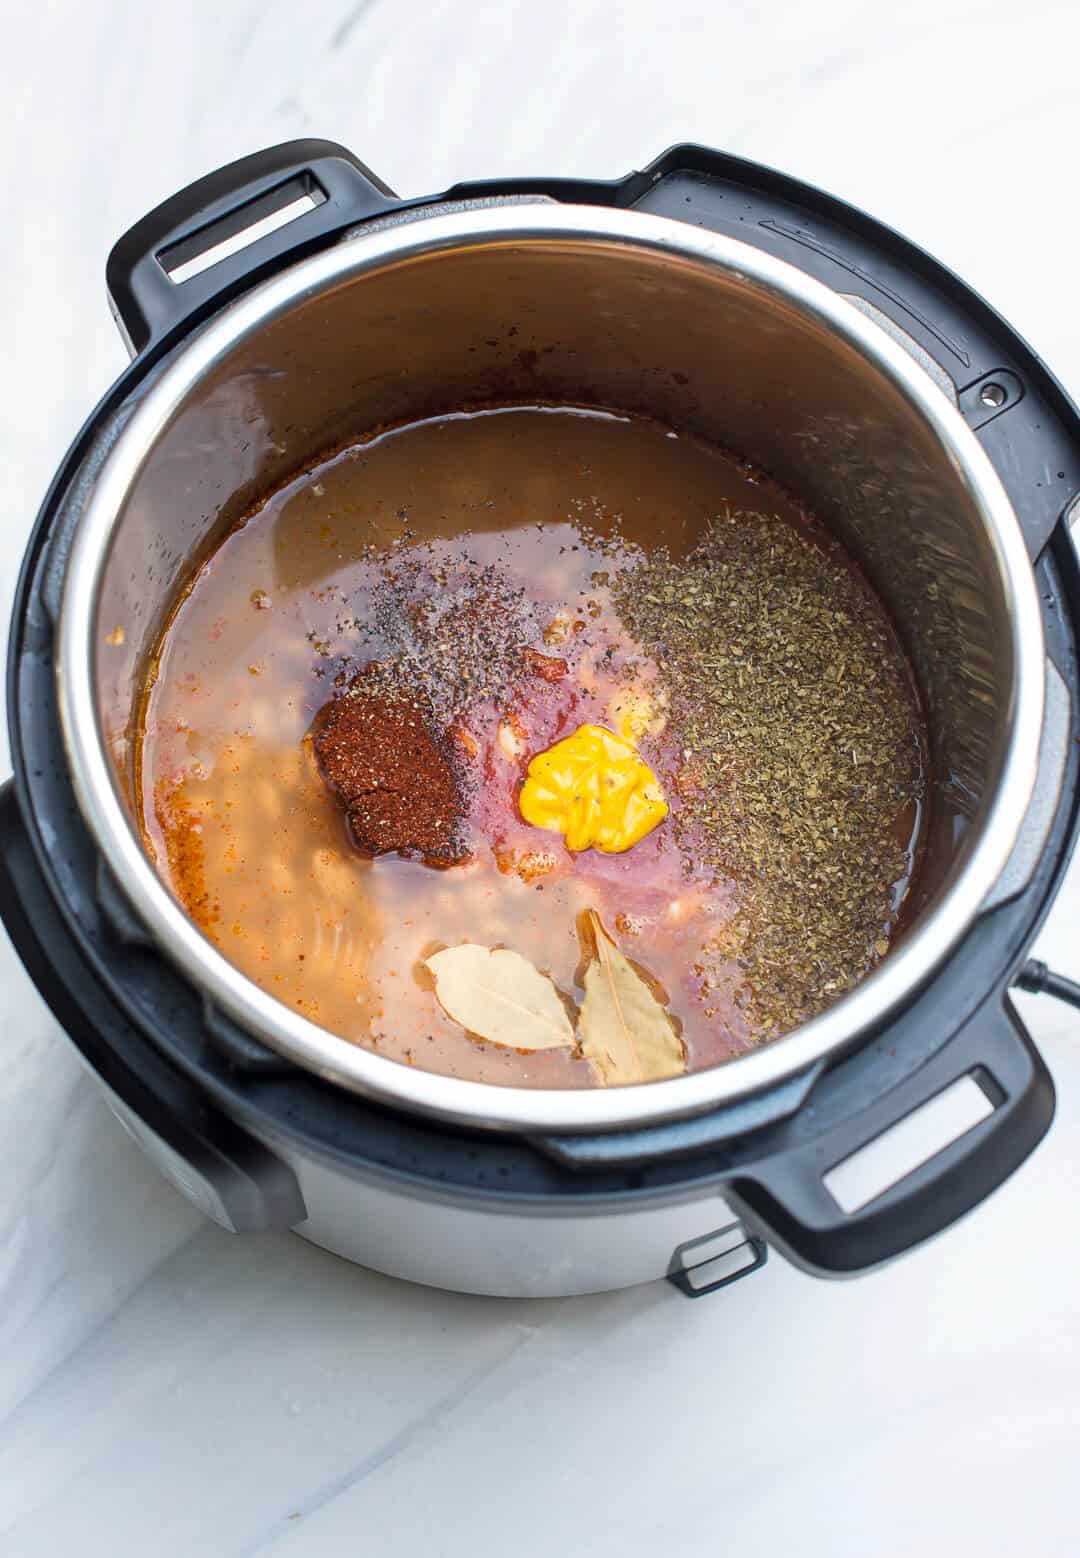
x=167, y=1389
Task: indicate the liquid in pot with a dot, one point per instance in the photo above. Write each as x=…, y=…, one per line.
x=346, y=706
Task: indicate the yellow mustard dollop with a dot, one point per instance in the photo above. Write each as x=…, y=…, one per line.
x=593, y=787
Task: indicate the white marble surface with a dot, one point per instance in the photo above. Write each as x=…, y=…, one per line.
x=167, y=1389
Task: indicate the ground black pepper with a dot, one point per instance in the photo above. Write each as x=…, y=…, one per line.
x=457, y=631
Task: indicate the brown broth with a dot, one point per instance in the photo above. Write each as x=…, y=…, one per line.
x=246, y=833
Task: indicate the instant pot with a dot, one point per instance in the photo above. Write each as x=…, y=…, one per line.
x=290, y=301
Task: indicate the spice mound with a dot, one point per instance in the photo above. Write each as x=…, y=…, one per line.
x=802, y=756
x=392, y=771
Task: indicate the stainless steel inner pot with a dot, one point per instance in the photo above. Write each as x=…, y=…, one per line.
x=588, y=306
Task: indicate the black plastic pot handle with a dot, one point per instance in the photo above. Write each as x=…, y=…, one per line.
x=215, y=1163
x=148, y=304
x=788, y=1196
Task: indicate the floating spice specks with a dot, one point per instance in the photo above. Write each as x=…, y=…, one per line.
x=459, y=629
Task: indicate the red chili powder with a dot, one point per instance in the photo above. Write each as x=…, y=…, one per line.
x=392, y=771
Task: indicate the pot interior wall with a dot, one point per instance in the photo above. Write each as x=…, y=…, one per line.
x=592, y=321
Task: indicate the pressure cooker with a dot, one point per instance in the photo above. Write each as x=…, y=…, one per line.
x=291, y=300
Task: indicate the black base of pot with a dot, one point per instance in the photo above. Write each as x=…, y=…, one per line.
x=198, y=1081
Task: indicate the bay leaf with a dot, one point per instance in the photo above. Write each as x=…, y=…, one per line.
x=623, y=1029
x=500, y=996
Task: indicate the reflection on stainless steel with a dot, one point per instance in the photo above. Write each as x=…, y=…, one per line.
x=616, y=309
x=880, y=491
x=1072, y=524
x=934, y=369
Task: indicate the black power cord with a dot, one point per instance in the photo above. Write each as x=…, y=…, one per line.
x=1040, y=980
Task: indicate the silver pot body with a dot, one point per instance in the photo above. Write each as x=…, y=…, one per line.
x=498, y=1246
x=413, y=317
x=509, y=1249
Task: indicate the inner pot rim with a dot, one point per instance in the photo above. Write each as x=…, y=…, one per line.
x=483, y=1104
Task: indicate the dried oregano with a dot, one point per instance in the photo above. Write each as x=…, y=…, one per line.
x=802, y=751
